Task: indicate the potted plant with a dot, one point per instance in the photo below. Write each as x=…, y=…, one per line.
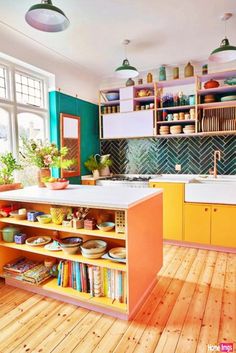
x=93, y=165
x=99, y=165
x=44, y=155
x=106, y=163
x=8, y=165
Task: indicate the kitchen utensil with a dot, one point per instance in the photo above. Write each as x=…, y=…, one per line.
x=38, y=241
x=20, y=238
x=228, y=98
x=54, y=246
x=9, y=232
x=112, y=96
x=230, y=81
x=70, y=245
x=17, y=215
x=93, y=246
x=188, y=70
x=32, y=215
x=106, y=226
x=118, y=253
x=211, y=84
x=57, y=185
x=44, y=218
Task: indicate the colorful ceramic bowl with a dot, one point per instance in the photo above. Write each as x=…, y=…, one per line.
x=112, y=96
x=71, y=245
x=93, y=246
x=57, y=185
x=44, y=219
x=106, y=226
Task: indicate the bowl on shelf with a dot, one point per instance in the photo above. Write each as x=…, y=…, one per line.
x=112, y=96
x=93, y=247
x=117, y=253
x=228, y=98
x=209, y=98
x=70, y=245
x=17, y=215
x=57, y=185
x=230, y=81
x=106, y=226
x=44, y=218
x=38, y=241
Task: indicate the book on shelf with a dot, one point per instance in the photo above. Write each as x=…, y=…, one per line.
x=27, y=270
x=19, y=265
x=37, y=274
x=95, y=280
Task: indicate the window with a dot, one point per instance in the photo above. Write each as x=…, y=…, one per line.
x=4, y=130
x=23, y=109
x=29, y=90
x=3, y=85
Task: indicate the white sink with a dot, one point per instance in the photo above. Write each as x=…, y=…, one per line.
x=212, y=191
x=212, y=179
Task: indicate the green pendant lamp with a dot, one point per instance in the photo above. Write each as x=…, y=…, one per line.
x=46, y=17
x=126, y=70
x=225, y=52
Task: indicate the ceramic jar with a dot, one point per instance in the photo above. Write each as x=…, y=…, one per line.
x=162, y=73
x=129, y=82
x=188, y=70
x=175, y=73
x=149, y=77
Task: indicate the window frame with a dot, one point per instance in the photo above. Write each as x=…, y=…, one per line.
x=14, y=108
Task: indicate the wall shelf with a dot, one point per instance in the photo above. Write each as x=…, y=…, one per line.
x=135, y=125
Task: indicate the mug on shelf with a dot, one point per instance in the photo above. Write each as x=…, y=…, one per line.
x=176, y=116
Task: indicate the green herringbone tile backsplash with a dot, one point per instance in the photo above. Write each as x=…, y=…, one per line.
x=154, y=156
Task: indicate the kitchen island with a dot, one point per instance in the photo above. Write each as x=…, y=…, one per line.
x=141, y=212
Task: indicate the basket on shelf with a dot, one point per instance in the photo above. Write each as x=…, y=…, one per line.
x=58, y=214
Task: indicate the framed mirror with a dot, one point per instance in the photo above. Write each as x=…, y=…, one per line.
x=70, y=138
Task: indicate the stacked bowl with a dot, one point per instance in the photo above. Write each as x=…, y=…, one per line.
x=93, y=249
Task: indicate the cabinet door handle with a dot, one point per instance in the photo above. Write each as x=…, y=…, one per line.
x=215, y=209
x=206, y=209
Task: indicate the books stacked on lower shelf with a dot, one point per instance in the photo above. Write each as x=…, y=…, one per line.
x=27, y=270
x=98, y=281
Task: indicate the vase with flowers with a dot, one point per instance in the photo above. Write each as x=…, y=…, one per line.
x=44, y=155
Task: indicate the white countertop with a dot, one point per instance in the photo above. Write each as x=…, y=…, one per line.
x=80, y=195
x=173, y=178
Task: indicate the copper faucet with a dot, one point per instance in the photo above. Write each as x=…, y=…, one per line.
x=217, y=156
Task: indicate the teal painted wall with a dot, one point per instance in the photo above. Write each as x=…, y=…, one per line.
x=89, y=125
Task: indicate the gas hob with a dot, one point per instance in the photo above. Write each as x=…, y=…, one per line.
x=134, y=181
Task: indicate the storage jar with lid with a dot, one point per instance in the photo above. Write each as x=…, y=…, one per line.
x=8, y=233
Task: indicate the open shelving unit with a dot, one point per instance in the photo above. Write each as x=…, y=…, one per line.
x=138, y=276
x=209, y=118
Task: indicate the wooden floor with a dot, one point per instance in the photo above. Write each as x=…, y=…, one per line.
x=192, y=305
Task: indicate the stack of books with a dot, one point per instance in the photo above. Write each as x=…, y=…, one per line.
x=98, y=281
x=24, y=269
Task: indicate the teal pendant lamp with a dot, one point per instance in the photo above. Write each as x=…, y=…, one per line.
x=46, y=17
x=126, y=70
x=225, y=52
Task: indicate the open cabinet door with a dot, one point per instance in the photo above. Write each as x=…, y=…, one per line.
x=70, y=138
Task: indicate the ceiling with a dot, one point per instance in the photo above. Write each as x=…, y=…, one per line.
x=161, y=32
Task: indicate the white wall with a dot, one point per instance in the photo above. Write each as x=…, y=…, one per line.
x=69, y=78
x=111, y=82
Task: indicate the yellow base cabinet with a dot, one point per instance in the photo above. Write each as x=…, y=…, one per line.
x=223, y=225
x=210, y=224
x=197, y=223
x=173, y=199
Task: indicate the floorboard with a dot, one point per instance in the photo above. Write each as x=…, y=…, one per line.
x=193, y=304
